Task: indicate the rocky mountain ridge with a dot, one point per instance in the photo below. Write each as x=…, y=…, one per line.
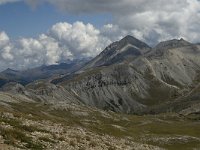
x=157, y=75
x=27, y=76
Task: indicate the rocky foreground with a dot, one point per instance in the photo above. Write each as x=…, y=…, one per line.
x=33, y=125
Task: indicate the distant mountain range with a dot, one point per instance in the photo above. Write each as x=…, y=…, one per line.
x=128, y=76
x=43, y=72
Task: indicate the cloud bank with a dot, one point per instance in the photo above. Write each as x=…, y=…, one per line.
x=151, y=21
x=62, y=42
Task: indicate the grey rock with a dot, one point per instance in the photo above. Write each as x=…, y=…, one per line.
x=138, y=81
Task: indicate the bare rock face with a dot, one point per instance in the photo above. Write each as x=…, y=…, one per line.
x=140, y=79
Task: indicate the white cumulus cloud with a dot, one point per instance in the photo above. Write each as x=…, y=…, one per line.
x=62, y=42
x=80, y=39
x=4, y=39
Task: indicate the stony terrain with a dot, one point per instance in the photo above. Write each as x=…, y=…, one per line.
x=26, y=124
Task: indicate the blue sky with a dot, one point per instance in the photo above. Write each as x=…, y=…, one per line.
x=20, y=20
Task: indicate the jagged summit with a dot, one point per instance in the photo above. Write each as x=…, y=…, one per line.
x=128, y=47
x=134, y=41
x=125, y=41
x=9, y=70
x=175, y=43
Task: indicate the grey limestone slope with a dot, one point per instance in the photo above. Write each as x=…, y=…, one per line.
x=41, y=91
x=151, y=78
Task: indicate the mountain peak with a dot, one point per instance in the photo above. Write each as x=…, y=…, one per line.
x=133, y=41
x=127, y=48
x=8, y=70
x=175, y=43
x=129, y=37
